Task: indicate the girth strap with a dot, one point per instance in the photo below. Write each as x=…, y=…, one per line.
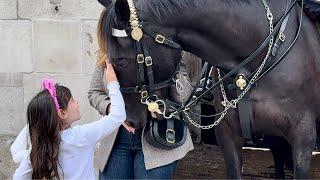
x=244, y=105
x=245, y=109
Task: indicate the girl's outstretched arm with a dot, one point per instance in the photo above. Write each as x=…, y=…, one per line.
x=93, y=132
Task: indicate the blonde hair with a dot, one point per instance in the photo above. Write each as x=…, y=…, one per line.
x=102, y=52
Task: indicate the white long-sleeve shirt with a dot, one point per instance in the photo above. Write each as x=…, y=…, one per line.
x=77, y=143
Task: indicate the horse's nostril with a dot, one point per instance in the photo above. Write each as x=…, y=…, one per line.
x=130, y=123
x=135, y=124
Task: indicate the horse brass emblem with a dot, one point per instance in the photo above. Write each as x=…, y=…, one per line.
x=136, y=33
x=153, y=107
x=241, y=82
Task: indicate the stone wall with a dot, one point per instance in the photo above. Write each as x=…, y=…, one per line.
x=49, y=38
x=43, y=38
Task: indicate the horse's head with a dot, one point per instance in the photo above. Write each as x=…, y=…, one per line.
x=122, y=51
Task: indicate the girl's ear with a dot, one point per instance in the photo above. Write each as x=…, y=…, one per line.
x=62, y=115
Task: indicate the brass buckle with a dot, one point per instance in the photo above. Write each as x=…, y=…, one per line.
x=160, y=39
x=140, y=58
x=282, y=37
x=148, y=61
x=174, y=133
x=144, y=94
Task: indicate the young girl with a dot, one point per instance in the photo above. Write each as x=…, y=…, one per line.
x=59, y=151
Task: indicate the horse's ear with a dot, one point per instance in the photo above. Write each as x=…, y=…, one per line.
x=122, y=10
x=105, y=3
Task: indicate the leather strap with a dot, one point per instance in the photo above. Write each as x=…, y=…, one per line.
x=202, y=73
x=138, y=89
x=148, y=63
x=244, y=62
x=281, y=36
x=277, y=43
x=244, y=105
x=140, y=62
x=244, y=109
x=206, y=77
x=160, y=38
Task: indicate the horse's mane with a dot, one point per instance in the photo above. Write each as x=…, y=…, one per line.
x=159, y=9
x=164, y=8
x=108, y=23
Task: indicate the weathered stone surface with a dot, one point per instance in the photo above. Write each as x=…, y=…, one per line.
x=7, y=166
x=15, y=46
x=8, y=9
x=57, y=40
x=66, y=9
x=11, y=79
x=57, y=46
x=78, y=85
x=11, y=110
x=89, y=46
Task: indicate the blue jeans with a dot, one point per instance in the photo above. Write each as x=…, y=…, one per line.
x=126, y=160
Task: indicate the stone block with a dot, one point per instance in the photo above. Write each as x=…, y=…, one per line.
x=60, y=9
x=8, y=9
x=57, y=46
x=15, y=46
x=7, y=166
x=11, y=109
x=11, y=79
x=89, y=46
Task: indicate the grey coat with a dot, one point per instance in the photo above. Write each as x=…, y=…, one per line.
x=153, y=157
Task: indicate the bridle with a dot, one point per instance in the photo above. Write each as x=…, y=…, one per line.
x=144, y=61
x=146, y=85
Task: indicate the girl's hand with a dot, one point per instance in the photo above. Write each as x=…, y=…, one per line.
x=110, y=74
x=128, y=128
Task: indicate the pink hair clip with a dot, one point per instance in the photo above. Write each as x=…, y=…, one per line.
x=50, y=85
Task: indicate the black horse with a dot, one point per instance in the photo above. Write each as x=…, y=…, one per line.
x=223, y=32
x=279, y=147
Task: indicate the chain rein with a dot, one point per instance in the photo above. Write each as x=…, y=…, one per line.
x=232, y=103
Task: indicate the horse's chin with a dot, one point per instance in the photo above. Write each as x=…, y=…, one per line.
x=136, y=125
x=136, y=112
x=136, y=122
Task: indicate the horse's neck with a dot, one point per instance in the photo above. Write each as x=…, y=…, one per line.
x=225, y=33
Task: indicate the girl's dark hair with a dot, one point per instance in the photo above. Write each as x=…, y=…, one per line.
x=44, y=128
